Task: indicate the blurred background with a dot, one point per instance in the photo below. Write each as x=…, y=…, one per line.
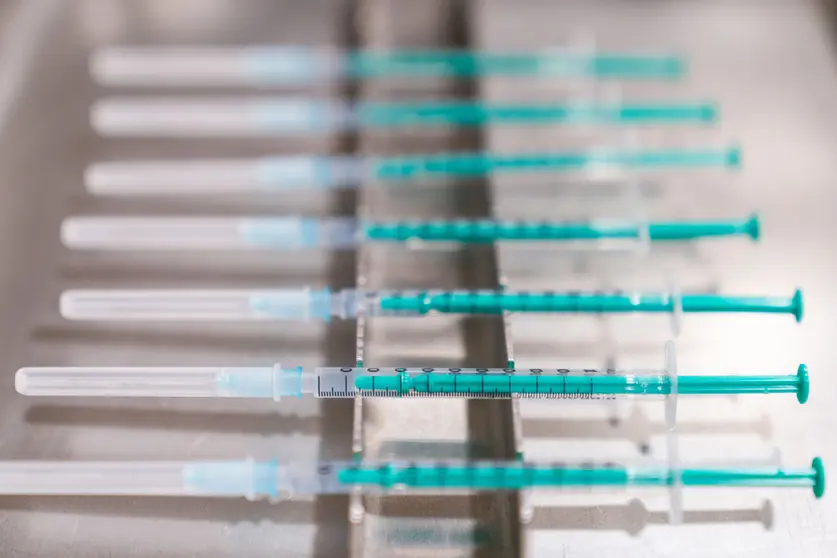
x=769, y=65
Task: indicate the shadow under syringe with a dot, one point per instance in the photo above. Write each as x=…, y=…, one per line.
x=265, y=340
x=638, y=428
x=633, y=517
x=222, y=510
x=442, y=521
x=265, y=424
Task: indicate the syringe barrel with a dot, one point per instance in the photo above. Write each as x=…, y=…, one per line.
x=273, y=480
x=489, y=475
x=196, y=305
x=476, y=113
x=557, y=63
x=551, y=383
x=493, y=230
x=497, y=302
x=490, y=231
x=483, y=475
x=481, y=164
x=157, y=233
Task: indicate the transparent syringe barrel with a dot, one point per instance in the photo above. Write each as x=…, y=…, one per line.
x=464, y=164
x=222, y=176
x=271, y=480
x=554, y=383
x=488, y=475
x=487, y=230
x=159, y=233
x=196, y=305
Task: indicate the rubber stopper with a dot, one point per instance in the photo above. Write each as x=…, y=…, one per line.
x=804, y=384
x=819, y=477
x=797, y=305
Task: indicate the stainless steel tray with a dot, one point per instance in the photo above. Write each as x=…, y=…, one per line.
x=777, y=101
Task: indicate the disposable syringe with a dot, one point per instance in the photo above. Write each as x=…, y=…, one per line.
x=219, y=233
x=399, y=382
x=320, y=172
x=308, y=304
x=273, y=480
x=275, y=382
x=230, y=116
x=296, y=65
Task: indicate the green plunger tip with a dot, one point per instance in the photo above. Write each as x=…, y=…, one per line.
x=754, y=226
x=709, y=112
x=734, y=157
x=819, y=477
x=804, y=384
x=798, y=307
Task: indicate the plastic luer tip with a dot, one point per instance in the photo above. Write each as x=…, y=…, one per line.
x=798, y=306
x=819, y=477
x=804, y=384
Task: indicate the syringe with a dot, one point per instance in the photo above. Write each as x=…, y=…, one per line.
x=275, y=382
x=307, y=304
x=316, y=172
x=219, y=233
x=273, y=480
x=229, y=116
x=296, y=65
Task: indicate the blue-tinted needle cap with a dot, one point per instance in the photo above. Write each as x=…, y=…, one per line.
x=804, y=384
x=819, y=477
x=797, y=305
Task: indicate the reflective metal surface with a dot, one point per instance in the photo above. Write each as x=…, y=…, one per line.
x=769, y=63
x=777, y=101
x=47, y=143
